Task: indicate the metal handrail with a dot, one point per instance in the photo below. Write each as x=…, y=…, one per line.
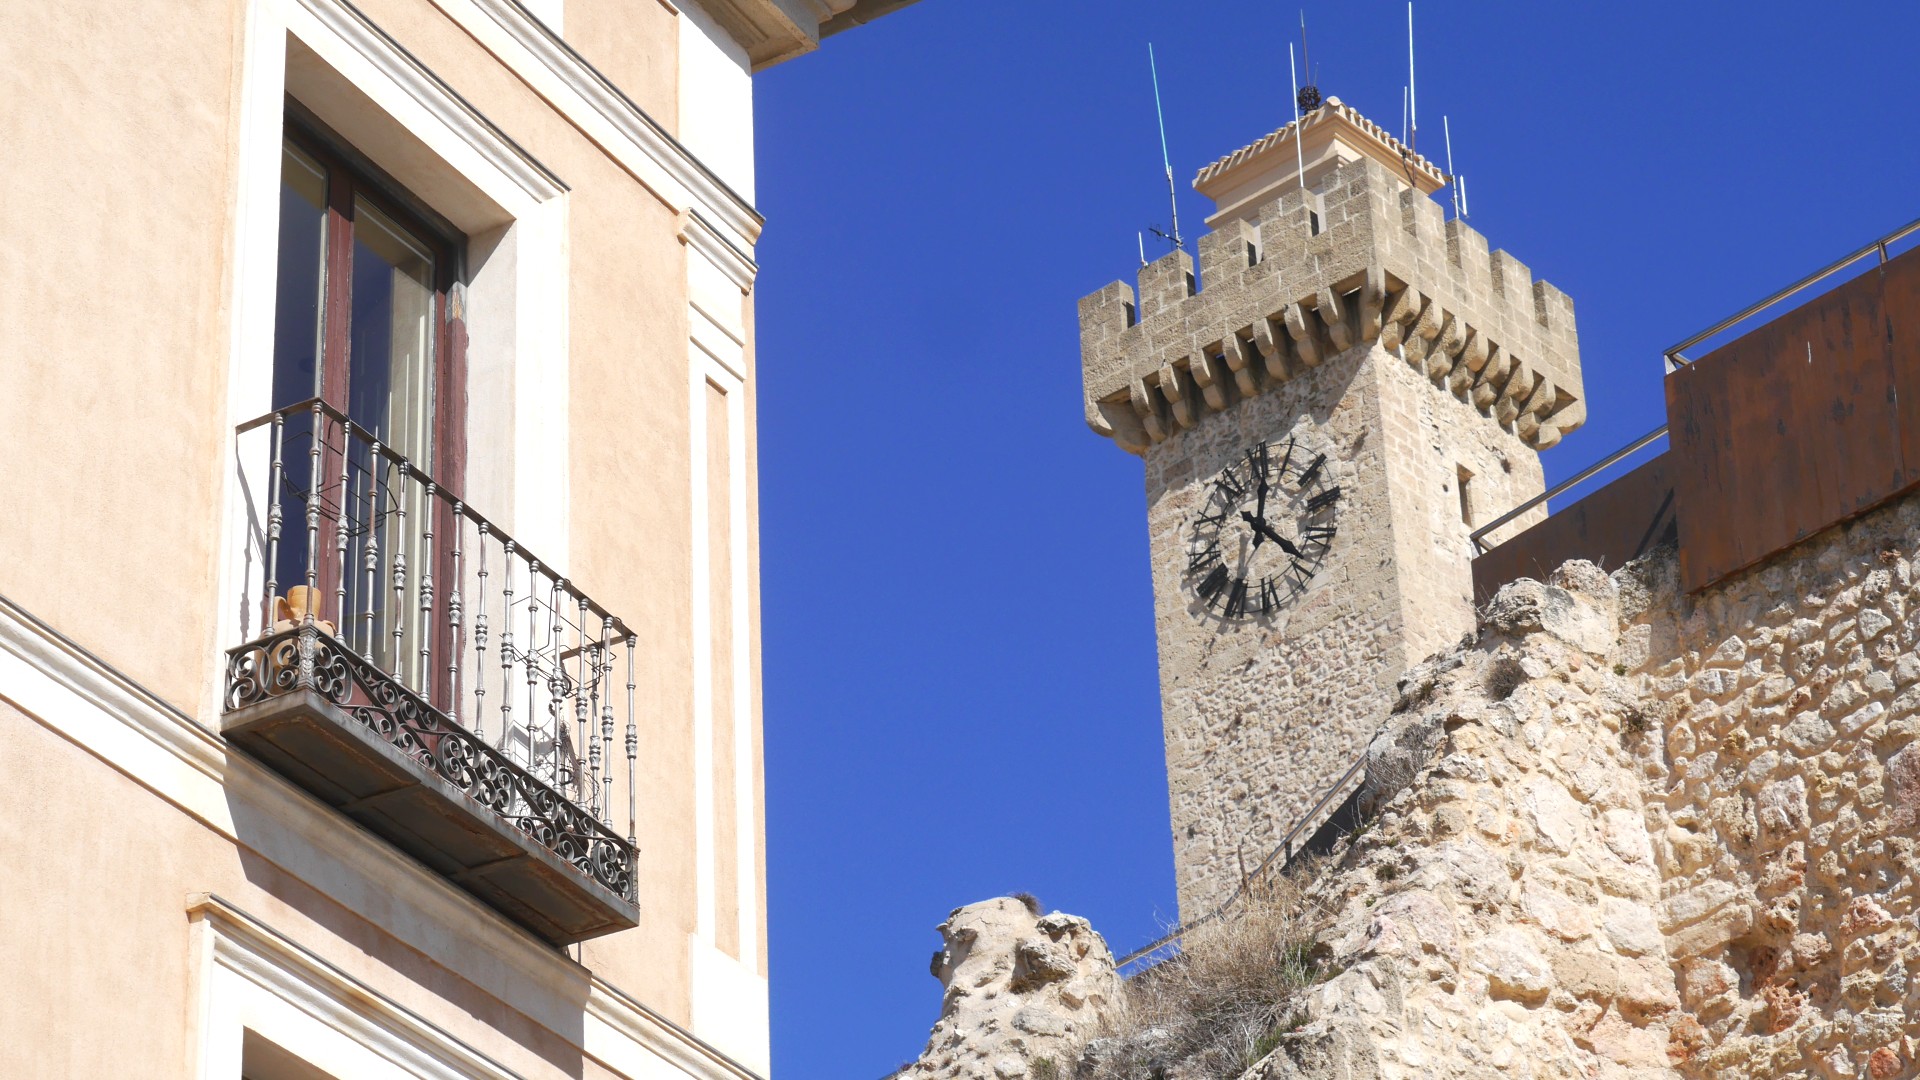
x=409, y=470
x=1285, y=846
x=1674, y=356
x=1560, y=488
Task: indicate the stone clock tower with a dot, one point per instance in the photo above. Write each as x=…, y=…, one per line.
x=1325, y=411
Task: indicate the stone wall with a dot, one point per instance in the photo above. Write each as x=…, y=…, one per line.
x=1497, y=916
x=1657, y=835
x=1784, y=820
x=1263, y=715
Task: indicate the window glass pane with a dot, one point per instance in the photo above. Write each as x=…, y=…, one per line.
x=300, y=277
x=390, y=392
x=302, y=263
x=390, y=380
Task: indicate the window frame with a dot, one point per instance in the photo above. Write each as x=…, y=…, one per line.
x=350, y=174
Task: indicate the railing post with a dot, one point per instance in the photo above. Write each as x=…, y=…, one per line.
x=633, y=750
x=506, y=655
x=274, y=514
x=375, y=471
x=313, y=511
x=398, y=561
x=426, y=596
x=341, y=532
x=453, y=618
x=480, y=645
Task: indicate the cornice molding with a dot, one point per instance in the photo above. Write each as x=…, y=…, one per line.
x=700, y=235
x=289, y=971
x=664, y=1038
x=445, y=104
x=700, y=188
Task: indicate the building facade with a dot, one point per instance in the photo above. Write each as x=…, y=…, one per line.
x=1348, y=388
x=379, y=645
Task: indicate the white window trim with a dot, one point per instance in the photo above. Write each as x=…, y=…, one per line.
x=250, y=978
x=518, y=319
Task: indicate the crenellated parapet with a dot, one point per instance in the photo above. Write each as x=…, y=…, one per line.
x=1289, y=278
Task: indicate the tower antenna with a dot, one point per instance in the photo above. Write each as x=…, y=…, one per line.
x=1446, y=133
x=1307, y=97
x=1166, y=160
x=1413, y=96
x=1299, y=127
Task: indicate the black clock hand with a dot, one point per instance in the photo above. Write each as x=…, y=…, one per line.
x=1264, y=531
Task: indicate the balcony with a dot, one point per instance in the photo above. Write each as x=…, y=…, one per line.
x=416, y=668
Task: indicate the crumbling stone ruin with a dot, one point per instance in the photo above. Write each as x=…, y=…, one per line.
x=1623, y=831
x=1022, y=992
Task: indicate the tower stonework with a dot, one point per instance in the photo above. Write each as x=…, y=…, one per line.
x=1344, y=317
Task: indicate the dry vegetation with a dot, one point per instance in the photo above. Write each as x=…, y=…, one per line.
x=1223, y=1003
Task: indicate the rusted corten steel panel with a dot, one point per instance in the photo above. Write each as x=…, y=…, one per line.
x=1611, y=527
x=1805, y=422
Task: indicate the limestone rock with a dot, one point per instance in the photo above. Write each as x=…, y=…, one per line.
x=1020, y=988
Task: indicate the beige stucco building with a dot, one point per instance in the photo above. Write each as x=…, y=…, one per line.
x=379, y=639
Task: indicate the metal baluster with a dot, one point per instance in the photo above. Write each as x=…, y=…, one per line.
x=426, y=597
x=274, y=512
x=398, y=616
x=556, y=687
x=506, y=658
x=532, y=652
x=340, y=534
x=453, y=618
x=313, y=512
x=633, y=751
x=374, y=473
x=480, y=646
x=602, y=664
x=584, y=746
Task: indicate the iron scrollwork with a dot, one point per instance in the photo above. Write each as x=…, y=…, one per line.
x=307, y=658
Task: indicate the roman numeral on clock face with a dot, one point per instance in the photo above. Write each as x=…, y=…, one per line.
x=1323, y=500
x=1205, y=557
x=1214, y=583
x=1231, y=486
x=1319, y=534
x=1312, y=472
x=1257, y=462
x=1269, y=595
x=1237, y=598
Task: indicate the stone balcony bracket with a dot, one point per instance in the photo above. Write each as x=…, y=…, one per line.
x=1274, y=296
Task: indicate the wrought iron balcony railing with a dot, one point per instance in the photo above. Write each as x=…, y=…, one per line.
x=418, y=668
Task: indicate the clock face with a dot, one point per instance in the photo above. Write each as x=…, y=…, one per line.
x=1268, y=521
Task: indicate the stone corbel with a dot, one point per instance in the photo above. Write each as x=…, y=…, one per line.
x=1373, y=297
x=1148, y=410
x=1334, y=315
x=1446, y=345
x=1401, y=310
x=1273, y=350
x=1234, y=352
x=1175, y=391
x=1301, y=331
x=1117, y=421
x=1420, y=335
x=1493, y=378
x=1519, y=388
x=1473, y=358
x=1208, y=379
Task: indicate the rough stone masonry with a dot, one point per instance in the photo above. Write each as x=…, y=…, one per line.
x=1624, y=832
x=1347, y=317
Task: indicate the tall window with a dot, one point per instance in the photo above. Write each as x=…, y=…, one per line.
x=361, y=322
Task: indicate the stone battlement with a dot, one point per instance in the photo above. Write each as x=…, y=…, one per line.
x=1359, y=257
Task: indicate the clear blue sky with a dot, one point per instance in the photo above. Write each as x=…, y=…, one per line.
x=961, y=696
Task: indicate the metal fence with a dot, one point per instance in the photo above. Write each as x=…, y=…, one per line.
x=442, y=622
